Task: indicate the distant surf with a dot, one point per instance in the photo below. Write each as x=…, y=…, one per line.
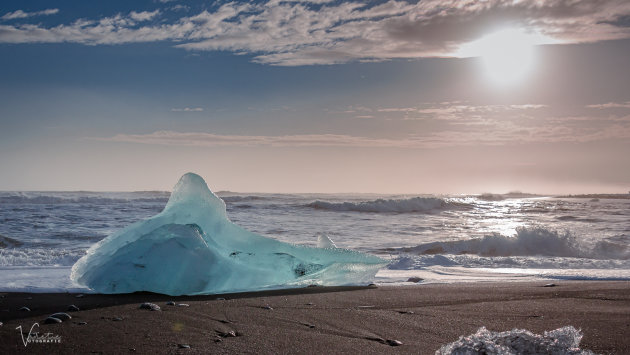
x=409, y=205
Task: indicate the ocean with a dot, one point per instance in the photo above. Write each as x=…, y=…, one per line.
x=434, y=238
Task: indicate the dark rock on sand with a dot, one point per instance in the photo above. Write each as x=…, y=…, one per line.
x=267, y=308
x=380, y=340
x=150, y=306
x=82, y=323
x=405, y=312
x=52, y=320
x=170, y=303
x=61, y=315
x=25, y=309
x=414, y=279
x=73, y=308
x=392, y=342
x=229, y=334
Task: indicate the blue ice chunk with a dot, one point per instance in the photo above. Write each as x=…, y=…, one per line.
x=191, y=247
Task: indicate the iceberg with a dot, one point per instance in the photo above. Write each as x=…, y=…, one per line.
x=192, y=248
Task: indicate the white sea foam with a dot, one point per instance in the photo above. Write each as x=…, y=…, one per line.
x=562, y=341
x=38, y=279
x=528, y=241
x=39, y=256
x=409, y=205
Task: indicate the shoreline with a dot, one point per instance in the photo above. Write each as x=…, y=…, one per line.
x=321, y=319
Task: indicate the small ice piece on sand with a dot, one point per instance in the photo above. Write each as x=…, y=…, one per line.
x=191, y=247
x=564, y=340
x=72, y=308
x=25, y=309
x=393, y=342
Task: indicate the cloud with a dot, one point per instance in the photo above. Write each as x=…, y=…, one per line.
x=179, y=7
x=21, y=14
x=187, y=109
x=493, y=133
x=460, y=111
x=144, y=15
x=211, y=140
x=611, y=105
x=292, y=33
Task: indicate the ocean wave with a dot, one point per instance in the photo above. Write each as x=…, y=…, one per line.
x=6, y=242
x=409, y=205
x=237, y=198
x=528, y=241
x=82, y=197
x=39, y=256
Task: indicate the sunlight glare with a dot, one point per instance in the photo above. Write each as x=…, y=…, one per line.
x=507, y=55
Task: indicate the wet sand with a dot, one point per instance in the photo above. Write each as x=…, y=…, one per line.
x=318, y=320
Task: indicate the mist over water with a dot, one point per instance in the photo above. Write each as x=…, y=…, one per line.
x=438, y=238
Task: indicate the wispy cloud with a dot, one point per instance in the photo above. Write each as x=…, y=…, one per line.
x=187, y=109
x=209, y=140
x=144, y=15
x=611, y=105
x=459, y=111
x=290, y=33
x=18, y=14
x=554, y=130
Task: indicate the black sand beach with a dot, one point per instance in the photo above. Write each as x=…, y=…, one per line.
x=318, y=320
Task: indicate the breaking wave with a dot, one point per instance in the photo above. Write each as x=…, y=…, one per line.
x=82, y=197
x=39, y=256
x=528, y=241
x=409, y=205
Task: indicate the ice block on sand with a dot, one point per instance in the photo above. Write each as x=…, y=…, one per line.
x=191, y=247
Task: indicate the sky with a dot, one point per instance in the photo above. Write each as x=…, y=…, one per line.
x=316, y=95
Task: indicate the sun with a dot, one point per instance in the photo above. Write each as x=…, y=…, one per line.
x=508, y=56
